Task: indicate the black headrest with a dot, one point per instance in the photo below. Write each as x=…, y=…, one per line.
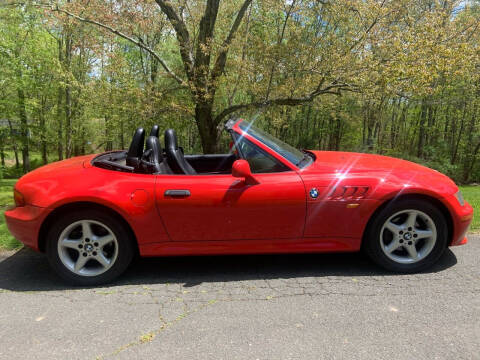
x=153, y=144
x=171, y=139
x=155, y=130
x=136, y=146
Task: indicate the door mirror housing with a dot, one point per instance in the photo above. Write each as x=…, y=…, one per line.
x=241, y=169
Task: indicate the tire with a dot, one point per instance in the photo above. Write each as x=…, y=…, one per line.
x=393, y=243
x=89, y=247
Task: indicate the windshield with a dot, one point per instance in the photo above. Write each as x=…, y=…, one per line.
x=288, y=152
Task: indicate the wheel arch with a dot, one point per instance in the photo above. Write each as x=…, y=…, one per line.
x=76, y=206
x=432, y=200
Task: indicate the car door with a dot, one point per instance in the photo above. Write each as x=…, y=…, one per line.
x=222, y=207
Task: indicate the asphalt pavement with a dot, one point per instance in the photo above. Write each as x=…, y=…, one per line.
x=336, y=306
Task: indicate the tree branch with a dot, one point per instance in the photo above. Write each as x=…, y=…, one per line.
x=183, y=36
x=279, y=41
x=204, y=46
x=334, y=88
x=205, y=32
x=369, y=28
x=244, y=54
x=140, y=44
x=222, y=55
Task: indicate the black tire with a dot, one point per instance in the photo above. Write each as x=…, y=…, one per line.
x=125, y=254
x=372, y=242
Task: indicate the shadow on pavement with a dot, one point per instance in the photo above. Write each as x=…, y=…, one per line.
x=29, y=271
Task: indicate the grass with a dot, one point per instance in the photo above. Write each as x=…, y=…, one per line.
x=7, y=242
x=471, y=193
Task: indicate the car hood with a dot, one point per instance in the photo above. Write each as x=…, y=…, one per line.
x=387, y=171
x=360, y=162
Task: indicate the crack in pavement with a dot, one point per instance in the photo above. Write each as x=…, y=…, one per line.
x=153, y=333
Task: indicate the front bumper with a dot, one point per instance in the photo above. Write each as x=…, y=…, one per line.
x=461, y=217
x=24, y=223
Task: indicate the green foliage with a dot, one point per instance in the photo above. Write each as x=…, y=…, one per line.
x=6, y=192
x=7, y=242
x=407, y=72
x=472, y=196
x=13, y=172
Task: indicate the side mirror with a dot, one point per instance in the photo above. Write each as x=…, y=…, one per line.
x=241, y=169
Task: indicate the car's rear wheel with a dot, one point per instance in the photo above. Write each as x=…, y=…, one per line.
x=89, y=247
x=407, y=236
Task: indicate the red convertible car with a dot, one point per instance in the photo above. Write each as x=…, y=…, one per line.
x=91, y=215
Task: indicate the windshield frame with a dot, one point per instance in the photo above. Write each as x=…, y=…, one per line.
x=259, y=140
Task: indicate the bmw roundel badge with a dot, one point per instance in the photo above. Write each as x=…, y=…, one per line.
x=313, y=193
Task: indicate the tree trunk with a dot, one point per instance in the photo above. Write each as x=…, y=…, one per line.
x=22, y=113
x=421, y=130
x=457, y=143
x=108, y=137
x=468, y=171
x=59, y=108
x=2, y=151
x=431, y=130
x=15, y=149
x=84, y=140
x=469, y=156
x=122, y=135
x=445, y=128
x=338, y=134
x=43, y=138
x=393, y=130
x=59, y=124
x=68, y=97
x=206, y=127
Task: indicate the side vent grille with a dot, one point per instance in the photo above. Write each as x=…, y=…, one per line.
x=348, y=192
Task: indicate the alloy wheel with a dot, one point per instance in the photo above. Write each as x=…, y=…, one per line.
x=87, y=247
x=408, y=236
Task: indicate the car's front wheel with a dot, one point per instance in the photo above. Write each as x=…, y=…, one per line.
x=89, y=247
x=407, y=236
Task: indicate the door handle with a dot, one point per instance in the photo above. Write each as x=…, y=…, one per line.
x=177, y=193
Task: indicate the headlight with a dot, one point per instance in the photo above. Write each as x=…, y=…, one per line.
x=459, y=197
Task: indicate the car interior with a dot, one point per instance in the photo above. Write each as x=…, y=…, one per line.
x=146, y=156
